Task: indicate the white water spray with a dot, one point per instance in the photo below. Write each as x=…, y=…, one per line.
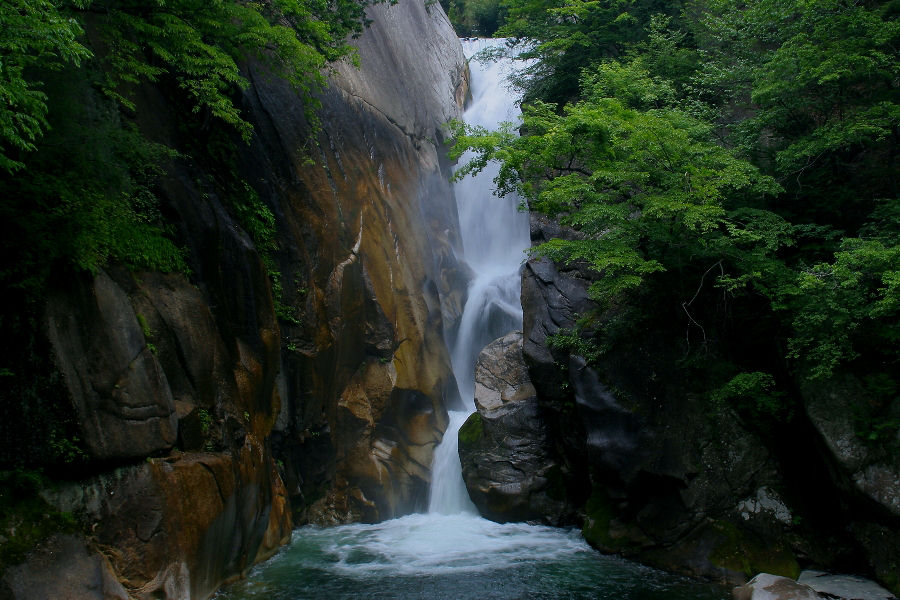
x=494, y=239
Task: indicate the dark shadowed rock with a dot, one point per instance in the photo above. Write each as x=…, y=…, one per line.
x=120, y=392
x=508, y=464
x=660, y=477
x=63, y=568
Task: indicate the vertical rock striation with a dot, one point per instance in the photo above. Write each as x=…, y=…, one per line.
x=301, y=381
x=368, y=259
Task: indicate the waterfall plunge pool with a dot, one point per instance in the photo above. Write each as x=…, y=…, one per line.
x=456, y=557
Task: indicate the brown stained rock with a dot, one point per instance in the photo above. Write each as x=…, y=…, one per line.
x=368, y=259
x=180, y=528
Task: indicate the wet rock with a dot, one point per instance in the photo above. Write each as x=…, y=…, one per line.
x=662, y=479
x=874, y=470
x=508, y=464
x=772, y=587
x=179, y=528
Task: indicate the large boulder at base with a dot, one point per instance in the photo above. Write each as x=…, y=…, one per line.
x=773, y=587
x=181, y=527
x=509, y=466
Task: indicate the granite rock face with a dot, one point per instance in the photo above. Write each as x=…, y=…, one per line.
x=301, y=381
x=509, y=467
x=368, y=262
x=655, y=476
x=670, y=482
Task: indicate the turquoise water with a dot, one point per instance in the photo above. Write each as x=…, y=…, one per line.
x=459, y=557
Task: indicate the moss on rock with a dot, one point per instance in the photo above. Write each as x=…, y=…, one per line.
x=472, y=430
x=739, y=551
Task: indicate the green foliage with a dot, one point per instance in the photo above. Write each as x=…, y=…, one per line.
x=754, y=394
x=566, y=36
x=199, y=44
x=474, y=17
x=648, y=190
x=87, y=196
x=575, y=343
x=728, y=168
x=205, y=420
x=25, y=518
x=33, y=34
x=841, y=307
x=837, y=62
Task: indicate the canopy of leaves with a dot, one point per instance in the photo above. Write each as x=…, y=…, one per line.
x=728, y=169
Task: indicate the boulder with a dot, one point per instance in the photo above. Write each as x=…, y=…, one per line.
x=509, y=466
x=181, y=527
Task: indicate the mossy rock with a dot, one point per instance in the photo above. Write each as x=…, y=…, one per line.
x=472, y=431
x=598, y=513
x=26, y=519
x=742, y=552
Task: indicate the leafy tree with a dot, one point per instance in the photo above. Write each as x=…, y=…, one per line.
x=33, y=34
x=647, y=189
x=566, y=36
x=819, y=79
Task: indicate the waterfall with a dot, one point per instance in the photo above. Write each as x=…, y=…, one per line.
x=494, y=239
x=451, y=552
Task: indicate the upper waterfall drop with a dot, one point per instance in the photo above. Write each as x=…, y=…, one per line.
x=495, y=237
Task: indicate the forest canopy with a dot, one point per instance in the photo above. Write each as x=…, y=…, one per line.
x=730, y=170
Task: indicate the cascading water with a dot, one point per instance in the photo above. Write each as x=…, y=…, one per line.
x=451, y=552
x=494, y=239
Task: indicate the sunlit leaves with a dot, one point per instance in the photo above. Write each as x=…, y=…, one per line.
x=33, y=33
x=632, y=182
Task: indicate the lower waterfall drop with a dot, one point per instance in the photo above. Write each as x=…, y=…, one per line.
x=494, y=239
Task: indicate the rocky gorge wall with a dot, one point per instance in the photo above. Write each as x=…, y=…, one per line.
x=304, y=381
x=658, y=475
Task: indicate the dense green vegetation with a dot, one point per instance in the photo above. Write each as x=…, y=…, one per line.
x=81, y=154
x=731, y=168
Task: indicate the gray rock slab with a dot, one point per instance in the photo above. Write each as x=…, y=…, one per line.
x=845, y=587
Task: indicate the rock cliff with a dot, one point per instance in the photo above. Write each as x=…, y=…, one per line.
x=663, y=477
x=301, y=381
